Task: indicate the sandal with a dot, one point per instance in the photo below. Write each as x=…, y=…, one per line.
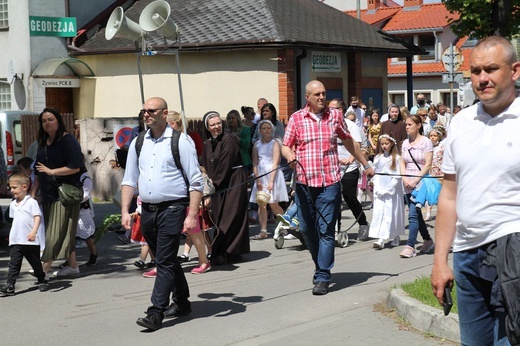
x=260, y=236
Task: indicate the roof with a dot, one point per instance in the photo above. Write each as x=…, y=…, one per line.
x=425, y=17
x=230, y=24
x=375, y=16
x=428, y=68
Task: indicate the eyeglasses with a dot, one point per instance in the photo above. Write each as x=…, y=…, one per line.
x=151, y=111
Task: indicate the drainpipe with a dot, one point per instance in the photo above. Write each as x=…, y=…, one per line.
x=298, y=77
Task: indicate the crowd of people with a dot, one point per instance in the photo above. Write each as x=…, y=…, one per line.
x=186, y=186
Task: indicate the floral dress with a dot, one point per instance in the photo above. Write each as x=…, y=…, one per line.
x=374, y=132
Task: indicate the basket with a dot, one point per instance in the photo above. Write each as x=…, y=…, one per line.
x=262, y=198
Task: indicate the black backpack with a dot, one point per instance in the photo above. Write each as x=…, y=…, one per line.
x=175, y=152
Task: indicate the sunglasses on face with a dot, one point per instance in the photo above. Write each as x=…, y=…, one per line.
x=151, y=111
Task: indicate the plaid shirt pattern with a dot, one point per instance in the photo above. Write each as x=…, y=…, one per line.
x=315, y=144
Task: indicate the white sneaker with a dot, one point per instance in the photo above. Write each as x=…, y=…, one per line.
x=379, y=244
x=396, y=241
x=66, y=271
x=289, y=237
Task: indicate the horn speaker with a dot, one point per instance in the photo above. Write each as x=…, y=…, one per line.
x=156, y=17
x=119, y=25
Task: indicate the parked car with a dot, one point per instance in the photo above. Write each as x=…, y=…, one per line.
x=11, y=137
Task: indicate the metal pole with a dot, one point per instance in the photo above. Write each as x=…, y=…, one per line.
x=139, y=70
x=184, y=121
x=451, y=77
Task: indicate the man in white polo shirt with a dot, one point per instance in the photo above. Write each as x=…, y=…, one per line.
x=479, y=204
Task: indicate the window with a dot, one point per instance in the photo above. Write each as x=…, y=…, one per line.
x=398, y=99
x=427, y=42
x=5, y=95
x=4, y=15
x=427, y=96
x=18, y=134
x=445, y=96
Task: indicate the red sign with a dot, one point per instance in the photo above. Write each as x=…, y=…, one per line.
x=123, y=135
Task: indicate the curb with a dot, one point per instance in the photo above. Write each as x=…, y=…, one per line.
x=425, y=318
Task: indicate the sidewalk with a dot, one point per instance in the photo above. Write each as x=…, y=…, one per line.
x=264, y=300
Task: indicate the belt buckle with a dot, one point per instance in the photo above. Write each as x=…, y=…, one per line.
x=152, y=207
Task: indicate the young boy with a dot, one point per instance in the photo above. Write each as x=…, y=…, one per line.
x=23, y=238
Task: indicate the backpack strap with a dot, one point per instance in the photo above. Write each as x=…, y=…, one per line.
x=139, y=143
x=175, y=153
x=177, y=157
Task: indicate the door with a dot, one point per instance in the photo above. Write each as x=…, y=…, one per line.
x=60, y=99
x=373, y=98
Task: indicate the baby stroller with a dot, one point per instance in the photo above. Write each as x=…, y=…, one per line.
x=289, y=224
x=284, y=228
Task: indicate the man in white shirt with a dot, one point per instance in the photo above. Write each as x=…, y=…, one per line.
x=165, y=198
x=421, y=103
x=355, y=107
x=350, y=177
x=259, y=104
x=479, y=209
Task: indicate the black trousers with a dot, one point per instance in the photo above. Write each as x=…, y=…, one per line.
x=32, y=255
x=161, y=229
x=349, y=183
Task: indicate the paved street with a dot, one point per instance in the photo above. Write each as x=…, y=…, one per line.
x=264, y=300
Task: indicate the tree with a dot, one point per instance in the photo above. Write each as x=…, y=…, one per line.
x=481, y=18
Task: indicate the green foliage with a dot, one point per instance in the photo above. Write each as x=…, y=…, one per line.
x=481, y=18
x=421, y=290
x=108, y=221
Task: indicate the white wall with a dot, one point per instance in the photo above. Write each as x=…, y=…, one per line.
x=218, y=81
x=15, y=45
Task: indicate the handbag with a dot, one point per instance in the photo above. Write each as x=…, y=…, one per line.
x=70, y=194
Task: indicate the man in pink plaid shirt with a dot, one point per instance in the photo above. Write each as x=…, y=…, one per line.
x=310, y=138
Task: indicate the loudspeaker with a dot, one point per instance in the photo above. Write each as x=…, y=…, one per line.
x=119, y=25
x=156, y=17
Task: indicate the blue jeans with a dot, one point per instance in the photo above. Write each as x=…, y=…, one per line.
x=162, y=229
x=480, y=323
x=416, y=223
x=318, y=230
x=292, y=211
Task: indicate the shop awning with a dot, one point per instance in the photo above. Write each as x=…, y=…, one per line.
x=49, y=67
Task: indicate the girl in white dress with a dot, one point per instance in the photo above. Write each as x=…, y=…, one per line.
x=266, y=158
x=388, y=216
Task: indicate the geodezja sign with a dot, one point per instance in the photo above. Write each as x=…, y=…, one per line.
x=52, y=26
x=326, y=62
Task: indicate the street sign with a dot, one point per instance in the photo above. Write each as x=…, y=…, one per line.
x=122, y=134
x=450, y=78
x=52, y=26
x=326, y=62
x=454, y=59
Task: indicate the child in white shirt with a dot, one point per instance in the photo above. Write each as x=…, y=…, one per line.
x=23, y=238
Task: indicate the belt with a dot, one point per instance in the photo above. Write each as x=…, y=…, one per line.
x=166, y=204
